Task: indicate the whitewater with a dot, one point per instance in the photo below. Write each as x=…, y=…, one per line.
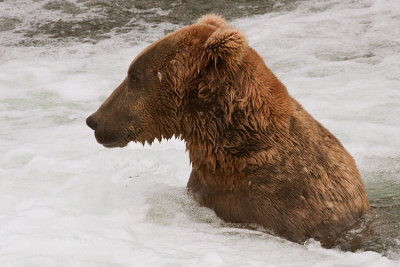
x=67, y=201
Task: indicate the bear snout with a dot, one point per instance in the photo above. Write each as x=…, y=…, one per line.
x=107, y=132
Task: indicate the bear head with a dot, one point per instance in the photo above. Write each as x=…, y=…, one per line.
x=171, y=83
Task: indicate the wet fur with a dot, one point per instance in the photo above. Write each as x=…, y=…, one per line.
x=257, y=155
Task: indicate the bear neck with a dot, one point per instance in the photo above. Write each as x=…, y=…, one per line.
x=237, y=129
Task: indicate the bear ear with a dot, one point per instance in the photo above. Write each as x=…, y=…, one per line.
x=225, y=45
x=213, y=19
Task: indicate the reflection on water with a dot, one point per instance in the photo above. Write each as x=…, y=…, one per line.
x=379, y=229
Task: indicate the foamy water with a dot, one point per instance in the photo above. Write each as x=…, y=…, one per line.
x=67, y=201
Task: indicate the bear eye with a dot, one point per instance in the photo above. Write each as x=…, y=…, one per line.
x=133, y=78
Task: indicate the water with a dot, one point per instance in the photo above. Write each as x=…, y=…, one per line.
x=67, y=201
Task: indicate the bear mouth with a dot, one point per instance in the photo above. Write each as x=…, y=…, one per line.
x=121, y=142
x=118, y=143
x=116, y=140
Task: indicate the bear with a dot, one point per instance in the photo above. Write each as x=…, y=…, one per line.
x=257, y=157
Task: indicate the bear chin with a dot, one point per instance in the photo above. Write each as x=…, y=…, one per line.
x=116, y=144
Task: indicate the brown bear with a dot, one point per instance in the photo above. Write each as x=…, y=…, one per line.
x=257, y=155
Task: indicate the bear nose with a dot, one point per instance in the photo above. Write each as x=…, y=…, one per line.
x=91, y=122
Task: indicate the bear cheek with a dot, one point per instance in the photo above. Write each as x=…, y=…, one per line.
x=135, y=127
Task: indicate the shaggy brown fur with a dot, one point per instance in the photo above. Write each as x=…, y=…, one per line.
x=257, y=155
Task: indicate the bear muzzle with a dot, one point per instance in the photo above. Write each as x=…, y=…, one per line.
x=107, y=135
